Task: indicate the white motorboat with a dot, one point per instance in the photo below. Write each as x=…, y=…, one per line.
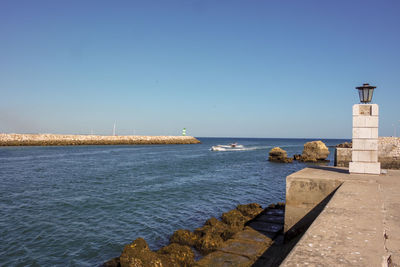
x=230, y=147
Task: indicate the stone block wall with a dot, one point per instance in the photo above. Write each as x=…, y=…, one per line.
x=342, y=157
x=303, y=194
x=388, y=153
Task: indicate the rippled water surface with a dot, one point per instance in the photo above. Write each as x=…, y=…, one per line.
x=79, y=205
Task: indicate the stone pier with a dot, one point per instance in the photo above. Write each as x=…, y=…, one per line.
x=344, y=219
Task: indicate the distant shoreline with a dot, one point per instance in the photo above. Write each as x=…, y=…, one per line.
x=71, y=140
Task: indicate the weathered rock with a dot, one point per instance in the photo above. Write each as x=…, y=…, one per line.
x=228, y=233
x=219, y=228
x=277, y=154
x=183, y=237
x=345, y=145
x=235, y=219
x=209, y=242
x=250, y=210
x=179, y=255
x=138, y=254
x=213, y=222
x=211, y=235
x=114, y=262
x=205, y=229
x=297, y=157
x=314, y=151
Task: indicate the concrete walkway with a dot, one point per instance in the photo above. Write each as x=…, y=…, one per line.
x=360, y=225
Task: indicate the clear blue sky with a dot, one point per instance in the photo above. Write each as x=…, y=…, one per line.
x=218, y=68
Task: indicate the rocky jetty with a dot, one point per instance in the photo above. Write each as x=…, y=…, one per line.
x=214, y=232
x=314, y=151
x=251, y=244
x=65, y=140
x=250, y=223
x=277, y=154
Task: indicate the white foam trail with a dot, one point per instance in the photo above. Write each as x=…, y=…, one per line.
x=248, y=148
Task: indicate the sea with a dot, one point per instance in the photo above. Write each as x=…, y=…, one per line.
x=80, y=205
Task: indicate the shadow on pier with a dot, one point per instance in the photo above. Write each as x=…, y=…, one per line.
x=284, y=243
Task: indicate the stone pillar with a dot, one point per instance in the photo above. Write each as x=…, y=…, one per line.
x=365, y=139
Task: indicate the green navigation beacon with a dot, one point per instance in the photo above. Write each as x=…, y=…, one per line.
x=184, y=132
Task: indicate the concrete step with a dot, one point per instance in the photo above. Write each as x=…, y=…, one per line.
x=266, y=226
x=271, y=219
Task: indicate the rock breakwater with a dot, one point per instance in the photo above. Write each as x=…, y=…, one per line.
x=238, y=239
x=66, y=140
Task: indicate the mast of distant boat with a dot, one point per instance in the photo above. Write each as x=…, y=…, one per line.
x=114, y=128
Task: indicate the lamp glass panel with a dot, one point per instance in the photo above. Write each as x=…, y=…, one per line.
x=366, y=95
x=371, y=91
x=360, y=93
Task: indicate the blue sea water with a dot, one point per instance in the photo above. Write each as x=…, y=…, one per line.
x=79, y=205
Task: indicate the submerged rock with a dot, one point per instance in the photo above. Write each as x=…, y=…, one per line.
x=277, y=154
x=314, y=151
x=179, y=255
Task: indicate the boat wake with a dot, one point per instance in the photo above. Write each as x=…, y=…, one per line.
x=237, y=148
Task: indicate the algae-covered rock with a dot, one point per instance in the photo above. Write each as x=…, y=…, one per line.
x=277, y=154
x=179, y=255
x=138, y=254
x=235, y=219
x=216, y=227
x=209, y=242
x=183, y=237
x=250, y=210
x=212, y=235
x=212, y=222
x=314, y=151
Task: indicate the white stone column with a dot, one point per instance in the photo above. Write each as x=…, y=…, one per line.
x=365, y=139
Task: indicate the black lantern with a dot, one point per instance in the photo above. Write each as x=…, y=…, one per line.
x=365, y=92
